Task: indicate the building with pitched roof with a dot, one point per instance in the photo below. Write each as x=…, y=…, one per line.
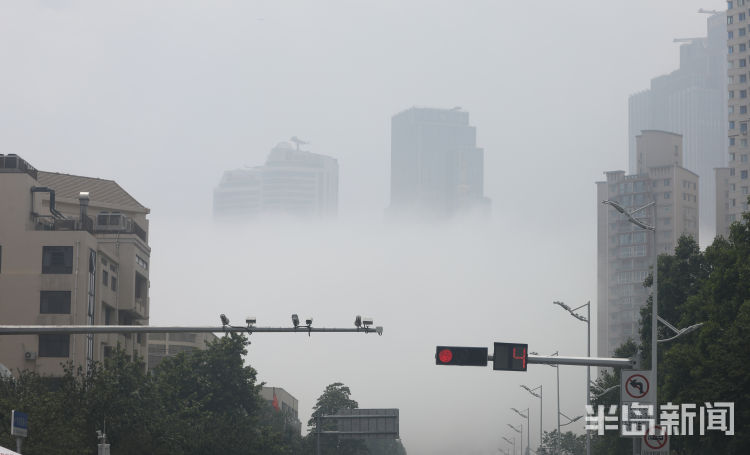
x=73, y=250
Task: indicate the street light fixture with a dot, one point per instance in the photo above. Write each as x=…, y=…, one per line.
x=678, y=332
x=538, y=395
x=587, y=320
x=574, y=419
x=528, y=425
x=518, y=431
x=511, y=442
x=606, y=391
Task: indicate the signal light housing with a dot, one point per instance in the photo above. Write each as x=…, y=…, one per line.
x=510, y=356
x=461, y=355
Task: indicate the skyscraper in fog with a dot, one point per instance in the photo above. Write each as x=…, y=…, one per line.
x=734, y=182
x=437, y=170
x=625, y=252
x=690, y=101
x=292, y=182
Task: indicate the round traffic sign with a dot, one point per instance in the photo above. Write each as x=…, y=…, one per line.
x=637, y=386
x=658, y=439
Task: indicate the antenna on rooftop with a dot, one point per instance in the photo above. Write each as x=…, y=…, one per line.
x=298, y=141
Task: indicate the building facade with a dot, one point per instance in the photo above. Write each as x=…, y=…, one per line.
x=282, y=401
x=737, y=186
x=163, y=345
x=690, y=101
x=625, y=252
x=73, y=251
x=292, y=182
x=437, y=170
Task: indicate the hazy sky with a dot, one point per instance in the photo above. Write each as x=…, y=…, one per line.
x=164, y=96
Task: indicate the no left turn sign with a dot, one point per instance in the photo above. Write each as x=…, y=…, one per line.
x=637, y=386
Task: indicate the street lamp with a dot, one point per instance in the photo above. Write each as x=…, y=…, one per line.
x=528, y=426
x=606, y=391
x=511, y=442
x=678, y=332
x=518, y=431
x=654, y=307
x=538, y=395
x=556, y=367
x=587, y=320
x=574, y=419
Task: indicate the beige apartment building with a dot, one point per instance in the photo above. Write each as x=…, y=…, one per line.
x=625, y=252
x=163, y=345
x=734, y=187
x=283, y=401
x=73, y=250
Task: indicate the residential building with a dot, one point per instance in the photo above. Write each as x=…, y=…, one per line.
x=437, y=170
x=690, y=101
x=73, y=251
x=737, y=186
x=625, y=252
x=163, y=345
x=292, y=182
x=282, y=401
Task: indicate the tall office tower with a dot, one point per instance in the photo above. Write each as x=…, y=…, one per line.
x=625, y=252
x=737, y=184
x=292, y=182
x=690, y=101
x=437, y=170
x=73, y=251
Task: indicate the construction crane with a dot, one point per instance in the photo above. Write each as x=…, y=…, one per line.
x=298, y=141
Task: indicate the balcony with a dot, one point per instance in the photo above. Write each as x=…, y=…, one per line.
x=104, y=223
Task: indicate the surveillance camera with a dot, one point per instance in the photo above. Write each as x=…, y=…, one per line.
x=224, y=319
x=366, y=321
x=308, y=321
x=295, y=320
x=358, y=321
x=250, y=320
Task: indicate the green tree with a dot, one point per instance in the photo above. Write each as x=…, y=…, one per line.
x=335, y=397
x=570, y=443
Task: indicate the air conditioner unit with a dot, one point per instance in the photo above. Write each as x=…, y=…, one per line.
x=29, y=355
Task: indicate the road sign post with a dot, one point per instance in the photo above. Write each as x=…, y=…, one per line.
x=19, y=427
x=637, y=393
x=656, y=443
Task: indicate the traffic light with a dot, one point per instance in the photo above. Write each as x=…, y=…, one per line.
x=510, y=356
x=461, y=355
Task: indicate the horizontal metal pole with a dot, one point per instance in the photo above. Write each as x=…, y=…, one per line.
x=86, y=329
x=360, y=432
x=358, y=416
x=585, y=361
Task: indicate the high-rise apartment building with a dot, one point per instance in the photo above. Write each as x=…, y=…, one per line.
x=736, y=187
x=73, y=251
x=292, y=182
x=625, y=252
x=437, y=170
x=690, y=101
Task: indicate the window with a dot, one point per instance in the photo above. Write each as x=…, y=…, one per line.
x=731, y=109
x=57, y=259
x=743, y=93
x=743, y=47
x=729, y=5
x=731, y=172
x=109, y=315
x=742, y=31
x=141, y=262
x=732, y=156
x=666, y=182
x=667, y=194
x=731, y=124
x=731, y=141
x=743, y=158
x=730, y=49
x=54, y=302
x=730, y=19
x=114, y=283
x=743, y=109
x=54, y=345
x=731, y=94
x=741, y=17
x=743, y=175
x=744, y=190
x=730, y=35
x=105, y=278
x=743, y=127
x=743, y=78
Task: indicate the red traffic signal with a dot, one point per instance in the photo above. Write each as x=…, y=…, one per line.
x=461, y=355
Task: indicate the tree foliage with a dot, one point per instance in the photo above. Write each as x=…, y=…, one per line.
x=195, y=403
x=570, y=443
